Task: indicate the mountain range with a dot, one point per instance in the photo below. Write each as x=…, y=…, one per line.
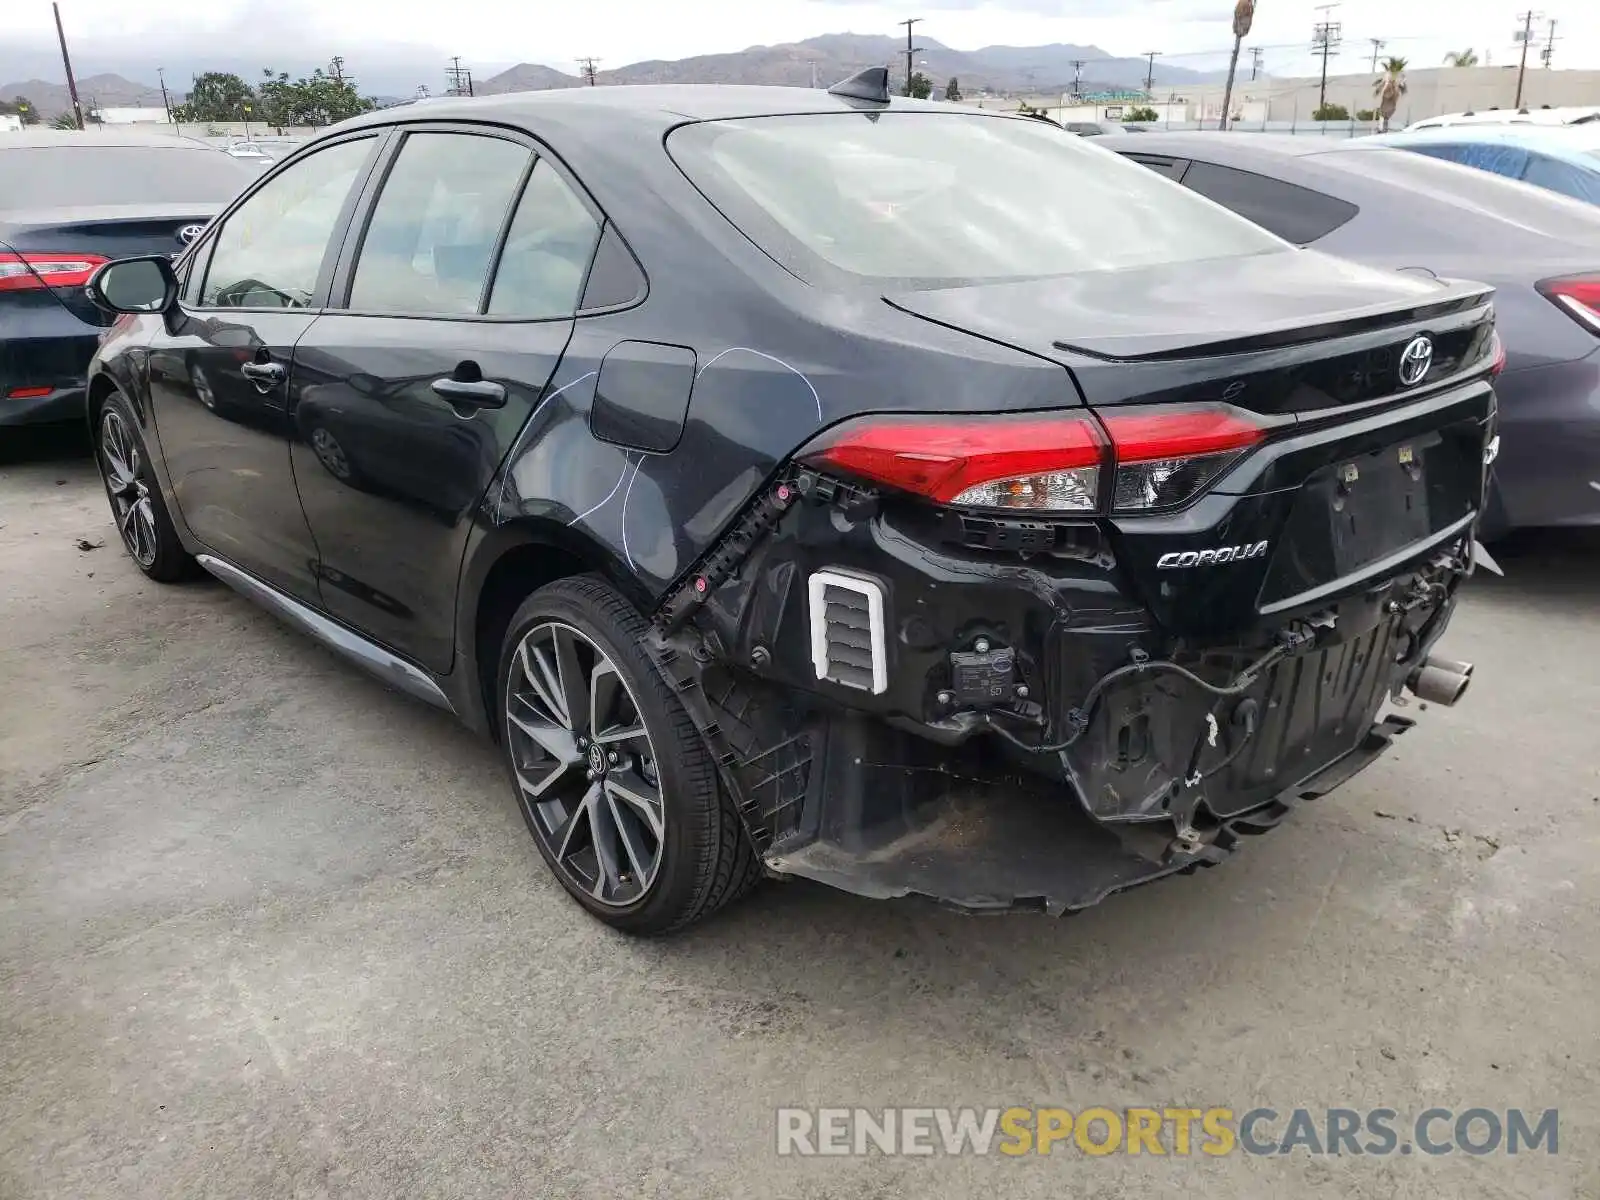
x=1013, y=70
x=827, y=59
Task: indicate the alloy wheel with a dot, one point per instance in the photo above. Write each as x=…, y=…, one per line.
x=585, y=765
x=128, y=482
x=330, y=453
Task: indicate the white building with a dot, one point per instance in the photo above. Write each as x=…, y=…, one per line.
x=127, y=116
x=10, y=123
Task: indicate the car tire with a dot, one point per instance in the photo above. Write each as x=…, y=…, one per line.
x=138, y=509
x=635, y=825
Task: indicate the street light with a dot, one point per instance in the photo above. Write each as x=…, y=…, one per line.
x=246, y=107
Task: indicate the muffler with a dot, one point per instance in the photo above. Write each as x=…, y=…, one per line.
x=1440, y=680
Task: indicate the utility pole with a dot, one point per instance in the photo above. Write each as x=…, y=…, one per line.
x=1524, y=35
x=910, y=49
x=1255, y=62
x=1377, y=44
x=1077, y=78
x=66, y=63
x=812, y=63
x=1549, y=50
x=161, y=75
x=1325, y=37
x=1150, y=72
x=338, y=68
x=586, y=68
x=458, y=78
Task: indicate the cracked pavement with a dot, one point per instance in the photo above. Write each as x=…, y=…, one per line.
x=269, y=929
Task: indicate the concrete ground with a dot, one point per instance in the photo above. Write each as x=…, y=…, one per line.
x=268, y=929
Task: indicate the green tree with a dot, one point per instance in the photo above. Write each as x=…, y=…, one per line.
x=1331, y=112
x=63, y=121
x=1244, y=15
x=1389, y=87
x=1461, y=58
x=275, y=99
x=215, y=96
x=1142, y=112
x=952, y=89
x=921, y=86
x=20, y=106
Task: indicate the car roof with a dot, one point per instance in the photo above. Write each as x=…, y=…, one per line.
x=662, y=105
x=34, y=139
x=1509, y=116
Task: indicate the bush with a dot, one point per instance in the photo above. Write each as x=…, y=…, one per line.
x=1366, y=114
x=1331, y=112
x=1142, y=113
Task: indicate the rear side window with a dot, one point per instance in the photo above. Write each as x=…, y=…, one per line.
x=269, y=252
x=433, y=230
x=931, y=199
x=1557, y=176
x=1172, y=168
x=1294, y=213
x=547, y=251
x=1509, y=161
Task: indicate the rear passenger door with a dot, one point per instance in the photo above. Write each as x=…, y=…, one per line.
x=450, y=309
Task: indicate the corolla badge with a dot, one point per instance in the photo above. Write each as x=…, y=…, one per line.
x=189, y=232
x=1208, y=558
x=1415, y=360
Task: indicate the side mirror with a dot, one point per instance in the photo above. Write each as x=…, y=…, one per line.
x=134, y=285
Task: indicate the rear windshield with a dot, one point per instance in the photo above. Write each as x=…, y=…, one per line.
x=46, y=176
x=1472, y=190
x=932, y=199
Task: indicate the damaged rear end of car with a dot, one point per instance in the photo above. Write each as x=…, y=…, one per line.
x=1027, y=659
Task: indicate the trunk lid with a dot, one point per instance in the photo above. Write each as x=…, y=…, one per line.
x=1364, y=468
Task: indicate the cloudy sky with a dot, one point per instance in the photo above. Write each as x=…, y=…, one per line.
x=391, y=45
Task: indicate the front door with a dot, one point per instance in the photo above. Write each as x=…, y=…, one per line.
x=222, y=380
x=459, y=304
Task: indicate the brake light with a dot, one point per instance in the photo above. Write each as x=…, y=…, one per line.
x=33, y=270
x=1578, y=294
x=1154, y=457
x=1042, y=463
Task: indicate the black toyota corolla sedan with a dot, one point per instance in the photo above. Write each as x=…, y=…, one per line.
x=787, y=491
x=70, y=202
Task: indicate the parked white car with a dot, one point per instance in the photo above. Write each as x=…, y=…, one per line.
x=1573, y=115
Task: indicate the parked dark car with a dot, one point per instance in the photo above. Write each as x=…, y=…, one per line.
x=70, y=202
x=785, y=498
x=1387, y=207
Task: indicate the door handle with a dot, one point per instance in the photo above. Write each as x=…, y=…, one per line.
x=264, y=372
x=476, y=393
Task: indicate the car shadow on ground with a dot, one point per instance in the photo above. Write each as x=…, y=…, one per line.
x=1544, y=564
x=44, y=443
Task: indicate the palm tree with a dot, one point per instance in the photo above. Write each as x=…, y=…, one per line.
x=1461, y=58
x=1389, y=87
x=1244, y=13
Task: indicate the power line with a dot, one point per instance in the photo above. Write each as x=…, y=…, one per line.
x=1325, y=36
x=587, y=68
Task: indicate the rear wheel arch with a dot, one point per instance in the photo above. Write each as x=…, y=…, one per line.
x=502, y=570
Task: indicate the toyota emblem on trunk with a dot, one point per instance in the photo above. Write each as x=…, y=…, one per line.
x=189, y=232
x=1415, y=360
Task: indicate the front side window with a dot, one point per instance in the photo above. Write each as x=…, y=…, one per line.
x=269, y=252
x=433, y=230
x=547, y=251
x=927, y=199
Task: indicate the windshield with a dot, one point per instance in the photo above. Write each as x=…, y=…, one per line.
x=929, y=198
x=83, y=176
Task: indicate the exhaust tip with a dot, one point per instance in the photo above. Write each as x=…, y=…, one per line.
x=1440, y=681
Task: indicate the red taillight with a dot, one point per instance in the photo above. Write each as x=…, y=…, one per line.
x=1578, y=294
x=1497, y=350
x=946, y=458
x=1158, y=456
x=37, y=269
